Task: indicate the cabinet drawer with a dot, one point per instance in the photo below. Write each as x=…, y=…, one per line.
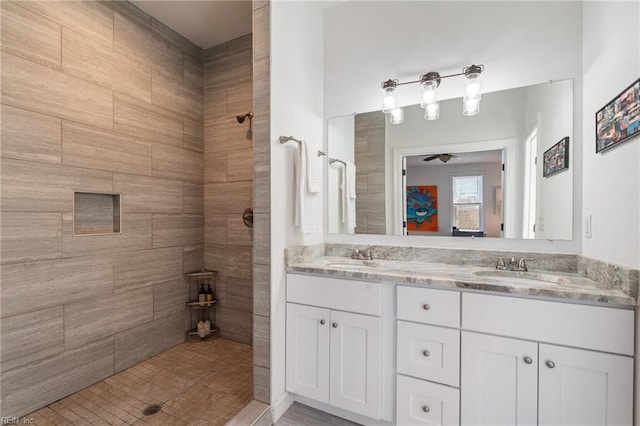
x=590, y=327
x=429, y=306
x=333, y=293
x=425, y=403
x=428, y=352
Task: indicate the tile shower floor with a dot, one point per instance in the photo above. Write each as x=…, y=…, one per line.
x=196, y=383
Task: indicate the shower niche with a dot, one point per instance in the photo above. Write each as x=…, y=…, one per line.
x=96, y=213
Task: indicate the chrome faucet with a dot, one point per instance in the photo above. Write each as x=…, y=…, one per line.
x=514, y=265
x=522, y=264
x=360, y=255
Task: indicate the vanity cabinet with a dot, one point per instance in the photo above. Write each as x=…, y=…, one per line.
x=334, y=356
x=510, y=380
x=472, y=358
x=461, y=357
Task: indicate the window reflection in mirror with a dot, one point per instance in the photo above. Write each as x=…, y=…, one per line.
x=514, y=128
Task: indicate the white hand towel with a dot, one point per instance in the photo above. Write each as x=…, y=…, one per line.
x=349, y=196
x=343, y=194
x=351, y=179
x=314, y=169
x=307, y=205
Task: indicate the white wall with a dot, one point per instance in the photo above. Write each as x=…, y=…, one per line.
x=520, y=43
x=611, y=188
x=296, y=109
x=441, y=175
x=341, y=136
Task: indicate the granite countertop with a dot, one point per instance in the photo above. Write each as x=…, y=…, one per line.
x=560, y=285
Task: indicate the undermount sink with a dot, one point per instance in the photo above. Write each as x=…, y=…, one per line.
x=351, y=263
x=525, y=277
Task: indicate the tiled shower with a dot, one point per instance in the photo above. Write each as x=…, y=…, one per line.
x=100, y=98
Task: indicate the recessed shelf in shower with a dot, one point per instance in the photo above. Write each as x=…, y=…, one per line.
x=96, y=213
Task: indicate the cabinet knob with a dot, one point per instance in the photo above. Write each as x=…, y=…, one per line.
x=426, y=353
x=334, y=325
x=551, y=364
x=323, y=322
x=426, y=307
x=528, y=360
x=426, y=408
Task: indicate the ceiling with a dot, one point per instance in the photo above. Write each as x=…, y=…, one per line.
x=205, y=23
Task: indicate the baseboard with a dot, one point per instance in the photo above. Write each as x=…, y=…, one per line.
x=282, y=405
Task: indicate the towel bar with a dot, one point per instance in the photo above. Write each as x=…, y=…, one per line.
x=285, y=139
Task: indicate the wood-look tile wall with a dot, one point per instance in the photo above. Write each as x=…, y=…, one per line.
x=369, y=155
x=96, y=97
x=228, y=182
x=262, y=202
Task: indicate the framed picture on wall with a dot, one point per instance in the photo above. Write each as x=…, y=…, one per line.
x=556, y=158
x=619, y=120
x=422, y=208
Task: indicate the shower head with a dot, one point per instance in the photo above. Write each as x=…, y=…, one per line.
x=241, y=118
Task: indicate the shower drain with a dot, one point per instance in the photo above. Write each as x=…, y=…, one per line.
x=151, y=410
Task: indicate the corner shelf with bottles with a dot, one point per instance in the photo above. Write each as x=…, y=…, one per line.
x=201, y=304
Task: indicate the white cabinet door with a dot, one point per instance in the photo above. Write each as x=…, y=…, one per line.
x=498, y=381
x=308, y=351
x=355, y=363
x=581, y=387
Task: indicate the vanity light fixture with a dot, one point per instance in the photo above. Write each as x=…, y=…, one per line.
x=389, y=99
x=430, y=82
x=397, y=116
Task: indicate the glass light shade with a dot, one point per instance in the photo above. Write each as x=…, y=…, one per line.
x=397, y=116
x=428, y=93
x=389, y=100
x=472, y=87
x=470, y=106
x=432, y=111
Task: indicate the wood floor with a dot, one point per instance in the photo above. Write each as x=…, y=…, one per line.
x=298, y=415
x=196, y=383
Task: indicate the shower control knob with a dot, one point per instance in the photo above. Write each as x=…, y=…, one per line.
x=247, y=217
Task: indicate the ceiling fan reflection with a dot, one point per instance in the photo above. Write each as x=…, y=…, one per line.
x=442, y=157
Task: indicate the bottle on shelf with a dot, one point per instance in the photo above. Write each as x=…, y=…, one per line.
x=207, y=327
x=202, y=296
x=209, y=297
x=202, y=331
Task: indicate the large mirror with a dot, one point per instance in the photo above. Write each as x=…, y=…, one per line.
x=506, y=172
